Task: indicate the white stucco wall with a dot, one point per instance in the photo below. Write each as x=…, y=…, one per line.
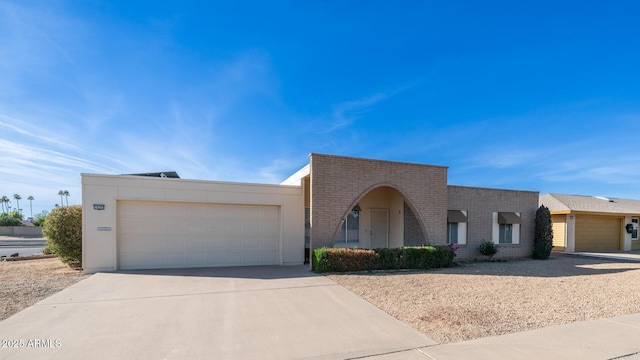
x=627, y=240
x=100, y=226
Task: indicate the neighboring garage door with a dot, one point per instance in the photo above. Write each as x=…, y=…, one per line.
x=156, y=235
x=597, y=233
x=559, y=232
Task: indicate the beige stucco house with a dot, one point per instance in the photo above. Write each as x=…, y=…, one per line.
x=143, y=222
x=593, y=223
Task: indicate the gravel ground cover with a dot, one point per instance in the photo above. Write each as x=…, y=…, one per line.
x=24, y=283
x=483, y=299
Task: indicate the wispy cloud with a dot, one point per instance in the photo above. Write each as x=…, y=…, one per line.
x=346, y=113
x=28, y=130
x=36, y=37
x=277, y=170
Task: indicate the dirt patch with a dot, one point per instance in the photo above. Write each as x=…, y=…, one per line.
x=485, y=299
x=23, y=283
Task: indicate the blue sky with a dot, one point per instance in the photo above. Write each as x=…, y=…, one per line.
x=540, y=96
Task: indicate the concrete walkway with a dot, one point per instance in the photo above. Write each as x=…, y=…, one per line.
x=215, y=313
x=630, y=256
x=614, y=338
x=266, y=313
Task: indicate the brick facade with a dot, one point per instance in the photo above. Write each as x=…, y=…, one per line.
x=338, y=183
x=413, y=235
x=480, y=204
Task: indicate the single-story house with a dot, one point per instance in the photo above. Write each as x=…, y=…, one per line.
x=593, y=223
x=147, y=222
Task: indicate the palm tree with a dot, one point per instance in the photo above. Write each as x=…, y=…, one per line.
x=6, y=201
x=66, y=195
x=17, y=197
x=3, y=200
x=30, y=198
x=61, y=193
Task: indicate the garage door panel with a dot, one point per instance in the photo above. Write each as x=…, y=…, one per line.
x=195, y=244
x=597, y=233
x=170, y=235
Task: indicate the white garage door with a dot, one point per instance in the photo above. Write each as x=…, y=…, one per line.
x=156, y=235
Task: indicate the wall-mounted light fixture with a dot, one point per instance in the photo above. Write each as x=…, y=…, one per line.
x=98, y=206
x=357, y=208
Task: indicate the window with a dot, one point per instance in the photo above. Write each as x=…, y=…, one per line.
x=307, y=226
x=506, y=227
x=350, y=230
x=505, y=234
x=634, y=231
x=452, y=233
x=456, y=227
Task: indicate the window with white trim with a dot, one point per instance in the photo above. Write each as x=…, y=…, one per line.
x=506, y=227
x=457, y=227
x=350, y=229
x=634, y=230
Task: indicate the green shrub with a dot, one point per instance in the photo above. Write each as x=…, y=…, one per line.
x=46, y=250
x=340, y=259
x=488, y=248
x=39, y=218
x=388, y=258
x=63, y=230
x=543, y=235
x=443, y=257
x=10, y=219
x=417, y=257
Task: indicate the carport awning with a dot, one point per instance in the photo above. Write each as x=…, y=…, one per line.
x=456, y=216
x=509, y=218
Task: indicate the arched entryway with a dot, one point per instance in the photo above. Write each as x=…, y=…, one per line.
x=380, y=218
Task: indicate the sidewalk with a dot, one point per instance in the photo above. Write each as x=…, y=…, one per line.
x=613, y=338
x=21, y=241
x=631, y=256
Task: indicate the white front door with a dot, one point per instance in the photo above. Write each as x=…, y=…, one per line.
x=379, y=228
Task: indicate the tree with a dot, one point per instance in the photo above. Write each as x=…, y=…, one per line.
x=18, y=198
x=66, y=195
x=11, y=219
x=38, y=220
x=61, y=193
x=30, y=198
x=6, y=201
x=3, y=201
x=543, y=236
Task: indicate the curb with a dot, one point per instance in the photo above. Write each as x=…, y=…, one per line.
x=15, y=243
x=21, y=258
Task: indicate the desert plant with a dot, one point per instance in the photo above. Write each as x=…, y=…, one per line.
x=63, y=230
x=11, y=219
x=543, y=236
x=38, y=220
x=46, y=250
x=488, y=248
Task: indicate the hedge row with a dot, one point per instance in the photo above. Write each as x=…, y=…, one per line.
x=342, y=259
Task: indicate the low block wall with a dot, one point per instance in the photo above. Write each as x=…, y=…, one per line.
x=21, y=231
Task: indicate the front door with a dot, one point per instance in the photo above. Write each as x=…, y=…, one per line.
x=379, y=228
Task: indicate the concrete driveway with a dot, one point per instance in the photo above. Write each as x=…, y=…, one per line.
x=268, y=312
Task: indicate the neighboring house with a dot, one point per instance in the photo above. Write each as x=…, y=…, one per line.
x=141, y=222
x=593, y=223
